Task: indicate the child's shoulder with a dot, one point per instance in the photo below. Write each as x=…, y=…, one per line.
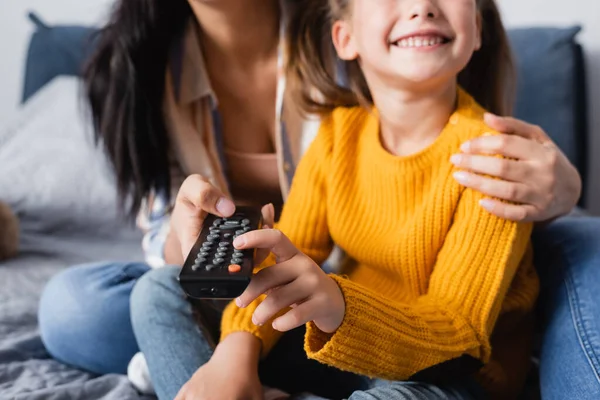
x=469, y=118
x=344, y=122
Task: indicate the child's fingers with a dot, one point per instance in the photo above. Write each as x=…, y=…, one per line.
x=264, y=280
x=270, y=239
x=279, y=299
x=262, y=254
x=268, y=214
x=296, y=317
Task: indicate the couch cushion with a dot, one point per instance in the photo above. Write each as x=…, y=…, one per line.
x=55, y=51
x=551, y=89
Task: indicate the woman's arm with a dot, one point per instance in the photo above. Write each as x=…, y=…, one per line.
x=471, y=277
x=536, y=174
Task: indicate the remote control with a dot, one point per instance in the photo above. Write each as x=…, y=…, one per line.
x=214, y=269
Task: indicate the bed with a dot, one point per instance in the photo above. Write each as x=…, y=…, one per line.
x=58, y=182
x=59, y=185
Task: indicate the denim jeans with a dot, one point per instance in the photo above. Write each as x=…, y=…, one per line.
x=168, y=335
x=84, y=316
x=85, y=322
x=567, y=256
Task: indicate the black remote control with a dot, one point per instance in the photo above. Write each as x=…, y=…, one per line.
x=214, y=269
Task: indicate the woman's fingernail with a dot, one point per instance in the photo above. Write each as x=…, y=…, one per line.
x=239, y=242
x=461, y=176
x=465, y=146
x=274, y=325
x=456, y=159
x=255, y=321
x=238, y=302
x=225, y=206
x=488, y=134
x=488, y=204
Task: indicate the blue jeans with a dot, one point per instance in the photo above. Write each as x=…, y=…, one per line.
x=84, y=316
x=568, y=261
x=168, y=334
x=84, y=312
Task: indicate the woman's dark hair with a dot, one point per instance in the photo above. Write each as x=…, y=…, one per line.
x=125, y=84
x=313, y=67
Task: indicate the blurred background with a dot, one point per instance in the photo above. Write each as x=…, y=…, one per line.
x=16, y=29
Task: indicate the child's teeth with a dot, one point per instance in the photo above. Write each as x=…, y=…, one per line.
x=419, y=42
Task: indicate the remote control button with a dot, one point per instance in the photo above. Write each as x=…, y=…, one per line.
x=247, y=229
x=227, y=235
x=218, y=261
x=217, y=222
x=233, y=268
x=203, y=253
x=210, y=267
x=238, y=253
x=236, y=260
x=212, y=238
x=224, y=244
x=245, y=222
x=220, y=254
x=240, y=232
x=214, y=230
x=223, y=249
x=231, y=223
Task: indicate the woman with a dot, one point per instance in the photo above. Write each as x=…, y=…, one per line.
x=194, y=89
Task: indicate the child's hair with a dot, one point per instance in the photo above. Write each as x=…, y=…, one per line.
x=315, y=70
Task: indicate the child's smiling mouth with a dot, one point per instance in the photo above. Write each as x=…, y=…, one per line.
x=421, y=39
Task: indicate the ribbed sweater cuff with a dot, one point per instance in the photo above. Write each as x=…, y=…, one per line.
x=351, y=347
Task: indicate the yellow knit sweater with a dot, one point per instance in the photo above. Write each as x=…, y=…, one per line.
x=436, y=277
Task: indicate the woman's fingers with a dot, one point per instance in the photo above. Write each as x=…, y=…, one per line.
x=513, y=212
x=515, y=127
x=195, y=199
x=511, y=191
x=510, y=170
x=504, y=145
x=201, y=194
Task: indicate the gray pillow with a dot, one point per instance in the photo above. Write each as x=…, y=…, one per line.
x=51, y=172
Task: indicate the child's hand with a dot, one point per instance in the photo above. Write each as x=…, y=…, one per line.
x=296, y=281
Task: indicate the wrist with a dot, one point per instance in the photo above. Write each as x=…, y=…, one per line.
x=172, y=249
x=241, y=346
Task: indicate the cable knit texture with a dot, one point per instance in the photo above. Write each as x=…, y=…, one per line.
x=436, y=277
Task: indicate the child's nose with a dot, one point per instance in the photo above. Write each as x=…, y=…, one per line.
x=424, y=9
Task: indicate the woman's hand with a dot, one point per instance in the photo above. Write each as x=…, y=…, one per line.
x=231, y=373
x=196, y=198
x=296, y=281
x=535, y=174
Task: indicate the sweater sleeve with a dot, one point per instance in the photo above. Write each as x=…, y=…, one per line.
x=471, y=277
x=304, y=222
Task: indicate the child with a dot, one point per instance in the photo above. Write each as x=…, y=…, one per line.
x=441, y=290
